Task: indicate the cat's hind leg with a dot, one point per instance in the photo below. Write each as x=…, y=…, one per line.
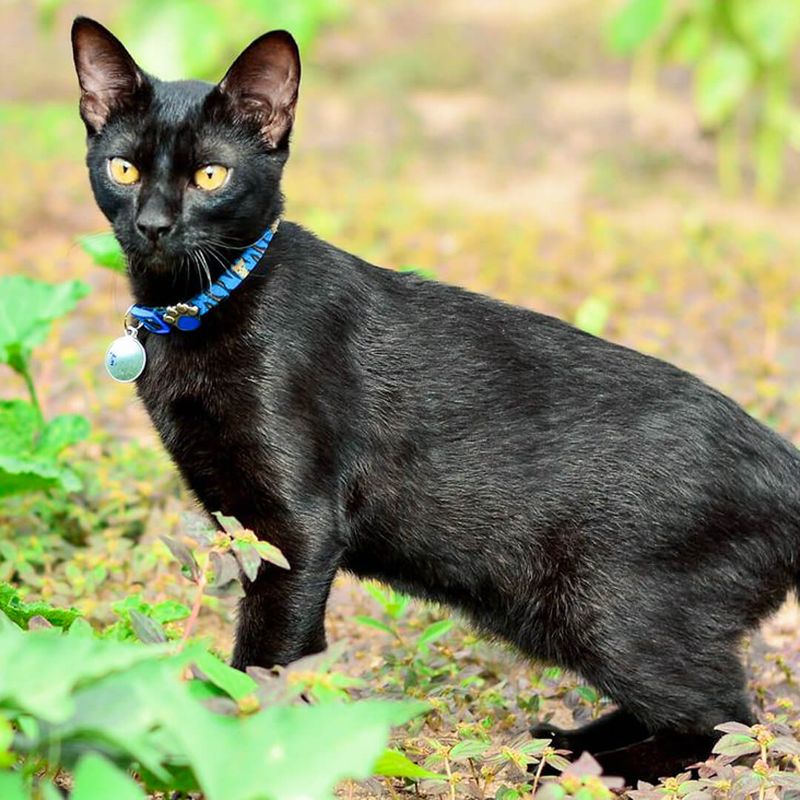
x=611, y=731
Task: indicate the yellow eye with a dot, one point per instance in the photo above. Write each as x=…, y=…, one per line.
x=210, y=177
x=122, y=171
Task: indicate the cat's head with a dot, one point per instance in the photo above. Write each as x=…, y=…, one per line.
x=184, y=166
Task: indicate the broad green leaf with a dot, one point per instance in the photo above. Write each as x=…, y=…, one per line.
x=393, y=764
x=19, y=612
x=62, y=431
x=22, y=475
x=27, y=310
x=12, y=786
x=234, y=683
x=592, y=315
x=634, y=23
x=194, y=30
x=722, y=80
x=28, y=454
x=688, y=40
x=292, y=753
x=770, y=27
x=434, y=631
x=19, y=426
x=96, y=778
x=40, y=669
x=124, y=711
x=104, y=250
x=169, y=611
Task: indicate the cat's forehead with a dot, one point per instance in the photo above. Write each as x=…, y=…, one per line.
x=173, y=126
x=178, y=102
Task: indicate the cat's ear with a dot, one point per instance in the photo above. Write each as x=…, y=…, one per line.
x=262, y=85
x=108, y=76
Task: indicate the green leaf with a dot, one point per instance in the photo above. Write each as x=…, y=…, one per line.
x=736, y=744
x=124, y=712
x=393, y=764
x=248, y=558
x=469, y=748
x=234, y=683
x=788, y=780
x=587, y=693
x=290, y=752
x=39, y=669
x=229, y=524
x=269, y=552
x=557, y=762
x=183, y=555
x=27, y=455
x=592, y=315
x=104, y=250
x=27, y=310
x=688, y=40
x=20, y=612
x=12, y=786
x=434, y=631
x=785, y=745
x=422, y=272
x=62, y=431
x=147, y=630
x=97, y=778
x=193, y=29
x=371, y=622
x=169, y=611
x=770, y=27
x=722, y=80
x=23, y=475
x=635, y=22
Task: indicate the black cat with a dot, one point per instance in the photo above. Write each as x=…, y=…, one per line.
x=595, y=507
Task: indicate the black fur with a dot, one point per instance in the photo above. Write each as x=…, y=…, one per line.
x=595, y=507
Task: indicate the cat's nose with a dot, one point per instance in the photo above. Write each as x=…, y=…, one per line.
x=154, y=223
x=153, y=230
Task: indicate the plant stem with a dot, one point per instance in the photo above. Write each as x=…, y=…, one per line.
x=537, y=776
x=28, y=378
x=449, y=778
x=195, y=613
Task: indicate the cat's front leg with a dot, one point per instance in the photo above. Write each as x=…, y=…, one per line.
x=282, y=616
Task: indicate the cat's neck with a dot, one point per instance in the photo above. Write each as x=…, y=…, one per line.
x=189, y=274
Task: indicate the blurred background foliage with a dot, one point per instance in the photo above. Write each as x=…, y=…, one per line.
x=628, y=165
x=741, y=54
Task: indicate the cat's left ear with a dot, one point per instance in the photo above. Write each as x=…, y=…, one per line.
x=262, y=85
x=108, y=76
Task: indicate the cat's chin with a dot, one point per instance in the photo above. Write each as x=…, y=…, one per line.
x=155, y=263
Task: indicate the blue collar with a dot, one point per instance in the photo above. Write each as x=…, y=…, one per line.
x=186, y=316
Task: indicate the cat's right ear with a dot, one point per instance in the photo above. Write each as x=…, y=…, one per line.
x=108, y=76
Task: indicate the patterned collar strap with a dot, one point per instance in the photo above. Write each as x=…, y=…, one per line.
x=186, y=316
